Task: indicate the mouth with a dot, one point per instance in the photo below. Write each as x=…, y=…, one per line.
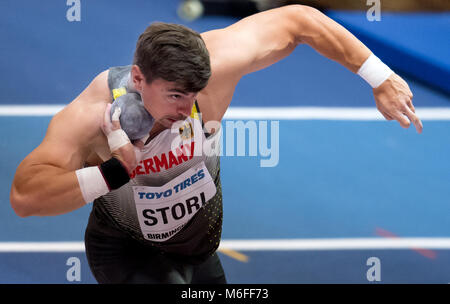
x=172, y=120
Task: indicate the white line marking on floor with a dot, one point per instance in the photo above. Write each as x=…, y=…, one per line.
x=257, y=245
x=273, y=113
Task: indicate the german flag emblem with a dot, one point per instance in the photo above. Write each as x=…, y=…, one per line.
x=186, y=131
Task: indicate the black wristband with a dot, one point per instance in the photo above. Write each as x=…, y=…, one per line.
x=114, y=173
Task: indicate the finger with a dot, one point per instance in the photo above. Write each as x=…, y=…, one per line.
x=411, y=106
x=115, y=120
x=386, y=116
x=139, y=144
x=415, y=120
x=106, y=126
x=144, y=139
x=402, y=120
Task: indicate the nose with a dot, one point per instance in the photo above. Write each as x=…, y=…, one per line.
x=185, y=107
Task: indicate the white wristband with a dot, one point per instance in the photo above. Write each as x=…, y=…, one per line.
x=117, y=139
x=374, y=71
x=92, y=183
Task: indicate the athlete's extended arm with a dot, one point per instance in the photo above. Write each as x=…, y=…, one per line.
x=45, y=182
x=262, y=39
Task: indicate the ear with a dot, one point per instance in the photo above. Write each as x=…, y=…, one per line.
x=137, y=77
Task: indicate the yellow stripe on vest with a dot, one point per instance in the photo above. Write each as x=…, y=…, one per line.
x=119, y=92
x=194, y=112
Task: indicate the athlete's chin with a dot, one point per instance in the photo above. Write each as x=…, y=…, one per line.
x=167, y=122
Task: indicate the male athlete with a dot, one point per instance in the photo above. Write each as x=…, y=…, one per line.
x=157, y=211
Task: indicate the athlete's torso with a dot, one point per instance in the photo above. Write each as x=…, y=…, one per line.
x=174, y=198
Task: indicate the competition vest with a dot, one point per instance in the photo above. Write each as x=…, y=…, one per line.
x=173, y=200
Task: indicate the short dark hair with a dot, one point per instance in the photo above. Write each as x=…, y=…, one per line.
x=173, y=53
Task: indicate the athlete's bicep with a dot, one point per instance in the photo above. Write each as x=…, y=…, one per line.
x=247, y=46
x=253, y=43
x=46, y=171
x=67, y=142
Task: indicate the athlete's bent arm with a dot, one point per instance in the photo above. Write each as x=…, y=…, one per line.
x=45, y=182
x=262, y=39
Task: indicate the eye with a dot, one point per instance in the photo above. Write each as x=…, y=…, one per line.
x=173, y=98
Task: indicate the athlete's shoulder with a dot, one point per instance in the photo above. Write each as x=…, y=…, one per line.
x=85, y=113
x=97, y=90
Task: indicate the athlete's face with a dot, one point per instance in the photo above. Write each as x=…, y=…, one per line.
x=163, y=99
